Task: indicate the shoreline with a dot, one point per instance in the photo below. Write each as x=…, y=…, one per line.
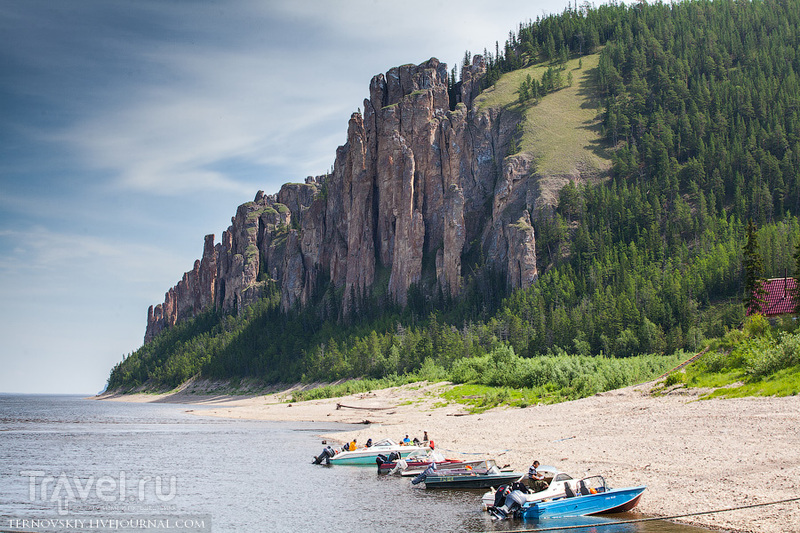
x=693, y=455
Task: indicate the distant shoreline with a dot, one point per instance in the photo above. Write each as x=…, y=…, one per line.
x=694, y=455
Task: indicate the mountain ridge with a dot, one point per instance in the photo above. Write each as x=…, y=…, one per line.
x=415, y=177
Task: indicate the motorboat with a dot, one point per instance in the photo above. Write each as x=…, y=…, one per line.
x=556, y=481
x=414, y=463
x=451, y=465
x=481, y=476
x=594, y=496
x=566, y=497
x=367, y=455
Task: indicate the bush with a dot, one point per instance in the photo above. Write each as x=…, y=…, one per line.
x=674, y=379
x=756, y=325
x=430, y=371
x=572, y=376
x=785, y=353
x=715, y=361
x=469, y=370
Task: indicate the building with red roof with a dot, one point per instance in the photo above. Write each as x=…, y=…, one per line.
x=779, y=297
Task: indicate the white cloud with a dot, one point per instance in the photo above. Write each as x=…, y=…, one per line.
x=39, y=257
x=170, y=138
x=260, y=100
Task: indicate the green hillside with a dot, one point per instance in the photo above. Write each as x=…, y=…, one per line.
x=561, y=130
x=696, y=107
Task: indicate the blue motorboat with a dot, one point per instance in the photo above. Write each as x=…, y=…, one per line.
x=589, y=496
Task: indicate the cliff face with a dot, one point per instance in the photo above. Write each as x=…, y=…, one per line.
x=414, y=180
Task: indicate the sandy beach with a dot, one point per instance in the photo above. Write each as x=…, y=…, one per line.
x=693, y=455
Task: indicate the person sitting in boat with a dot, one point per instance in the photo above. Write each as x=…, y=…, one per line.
x=350, y=447
x=536, y=480
x=369, y=443
x=406, y=441
x=425, y=437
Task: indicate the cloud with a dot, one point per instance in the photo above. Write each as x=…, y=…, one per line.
x=42, y=258
x=161, y=97
x=169, y=137
x=231, y=106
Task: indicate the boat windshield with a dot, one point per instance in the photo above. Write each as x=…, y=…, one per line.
x=436, y=456
x=561, y=476
x=594, y=483
x=385, y=442
x=424, y=455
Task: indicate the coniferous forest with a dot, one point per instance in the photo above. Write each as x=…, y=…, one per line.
x=700, y=111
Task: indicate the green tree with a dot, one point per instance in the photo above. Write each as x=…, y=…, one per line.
x=753, y=265
x=796, y=291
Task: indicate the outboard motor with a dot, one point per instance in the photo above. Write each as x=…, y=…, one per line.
x=514, y=501
x=420, y=478
x=381, y=459
x=399, y=466
x=326, y=455
x=500, y=495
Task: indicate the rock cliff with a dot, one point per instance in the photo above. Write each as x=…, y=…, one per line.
x=420, y=176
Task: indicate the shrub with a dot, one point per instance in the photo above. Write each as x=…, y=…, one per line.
x=756, y=325
x=715, y=361
x=784, y=353
x=469, y=370
x=674, y=379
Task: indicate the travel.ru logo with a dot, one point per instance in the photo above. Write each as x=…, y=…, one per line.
x=62, y=489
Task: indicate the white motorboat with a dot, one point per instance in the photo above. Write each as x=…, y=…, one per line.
x=367, y=456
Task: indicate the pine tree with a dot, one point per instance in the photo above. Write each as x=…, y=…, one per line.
x=796, y=291
x=754, y=293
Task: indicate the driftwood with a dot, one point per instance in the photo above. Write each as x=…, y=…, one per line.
x=343, y=406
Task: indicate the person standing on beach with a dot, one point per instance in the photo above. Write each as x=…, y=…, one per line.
x=536, y=480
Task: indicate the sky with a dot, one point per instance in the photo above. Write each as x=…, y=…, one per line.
x=131, y=129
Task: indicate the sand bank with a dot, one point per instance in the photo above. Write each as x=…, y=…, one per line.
x=693, y=455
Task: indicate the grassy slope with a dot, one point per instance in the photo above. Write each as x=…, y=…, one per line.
x=561, y=132
x=759, y=360
x=735, y=383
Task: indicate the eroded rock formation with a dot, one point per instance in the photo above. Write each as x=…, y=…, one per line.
x=419, y=176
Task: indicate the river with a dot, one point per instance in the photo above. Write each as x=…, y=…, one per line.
x=70, y=464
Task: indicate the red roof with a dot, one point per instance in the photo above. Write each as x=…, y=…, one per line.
x=779, y=297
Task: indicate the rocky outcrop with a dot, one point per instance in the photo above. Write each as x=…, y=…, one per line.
x=420, y=181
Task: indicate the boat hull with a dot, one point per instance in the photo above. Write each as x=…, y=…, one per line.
x=468, y=481
x=367, y=456
x=612, y=501
x=414, y=468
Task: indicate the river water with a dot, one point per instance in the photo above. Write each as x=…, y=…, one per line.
x=69, y=464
